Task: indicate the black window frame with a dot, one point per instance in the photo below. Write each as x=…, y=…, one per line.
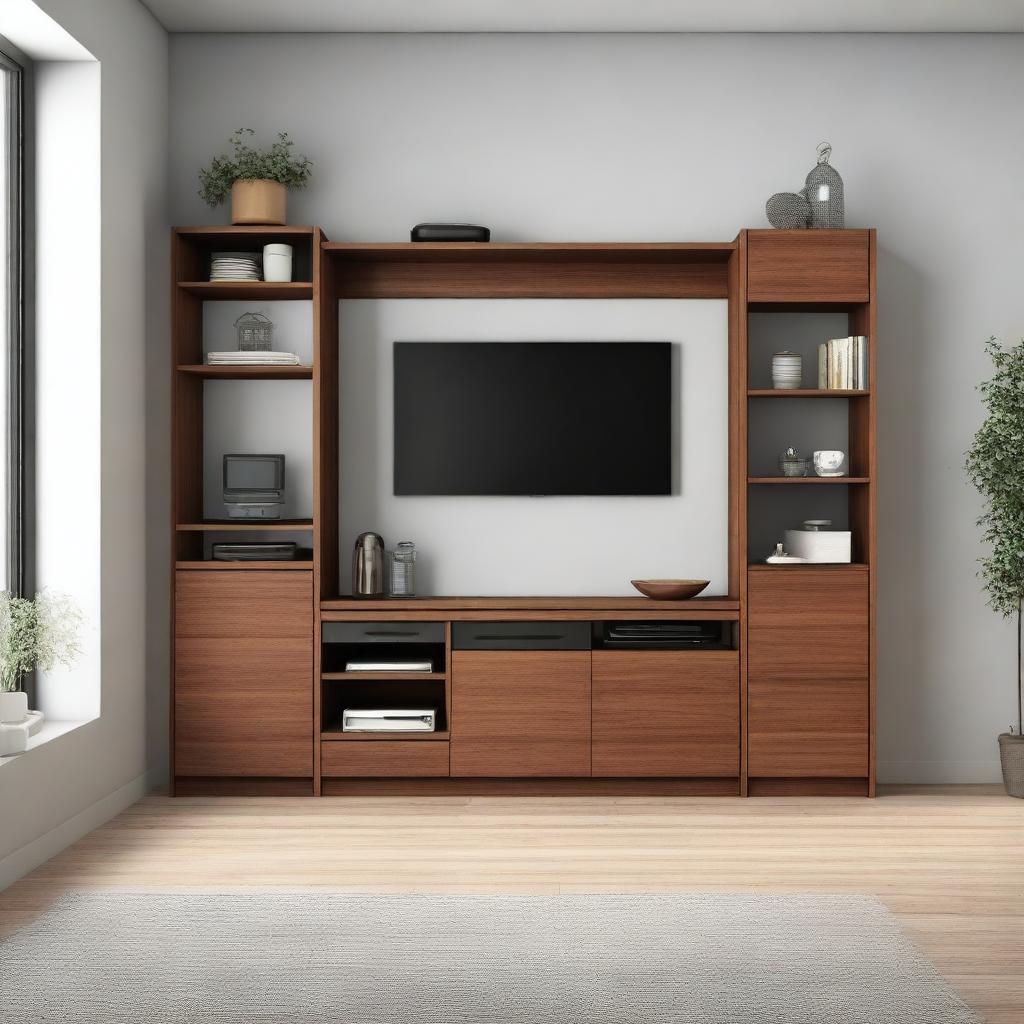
x=19, y=456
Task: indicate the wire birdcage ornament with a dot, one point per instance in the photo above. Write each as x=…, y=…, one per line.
x=824, y=190
x=255, y=333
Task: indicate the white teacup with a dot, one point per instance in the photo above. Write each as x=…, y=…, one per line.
x=829, y=463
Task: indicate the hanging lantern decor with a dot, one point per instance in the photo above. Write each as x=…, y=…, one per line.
x=824, y=190
x=255, y=333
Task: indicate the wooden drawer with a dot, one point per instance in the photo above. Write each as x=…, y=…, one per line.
x=253, y=604
x=243, y=706
x=666, y=713
x=383, y=758
x=806, y=728
x=808, y=624
x=807, y=266
x=520, y=713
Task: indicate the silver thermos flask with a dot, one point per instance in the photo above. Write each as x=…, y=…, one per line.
x=368, y=566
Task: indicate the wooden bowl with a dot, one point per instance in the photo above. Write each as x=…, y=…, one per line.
x=670, y=590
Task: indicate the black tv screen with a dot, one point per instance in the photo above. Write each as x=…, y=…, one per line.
x=533, y=418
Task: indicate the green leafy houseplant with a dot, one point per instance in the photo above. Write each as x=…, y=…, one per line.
x=39, y=632
x=248, y=163
x=995, y=465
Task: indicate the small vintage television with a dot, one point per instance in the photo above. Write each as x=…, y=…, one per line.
x=253, y=486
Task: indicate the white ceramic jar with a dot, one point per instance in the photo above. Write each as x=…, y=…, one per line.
x=277, y=262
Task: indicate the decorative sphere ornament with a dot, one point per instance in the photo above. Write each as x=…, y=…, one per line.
x=788, y=210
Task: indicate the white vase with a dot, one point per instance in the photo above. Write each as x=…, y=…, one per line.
x=13, y=706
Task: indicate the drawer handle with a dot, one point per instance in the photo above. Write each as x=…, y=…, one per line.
x=519, y=636
x=392, y=632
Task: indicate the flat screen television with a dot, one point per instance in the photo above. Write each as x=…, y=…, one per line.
x=533, y=418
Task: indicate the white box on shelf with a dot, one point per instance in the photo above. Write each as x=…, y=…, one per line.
x=389, y=720
x=819, y=545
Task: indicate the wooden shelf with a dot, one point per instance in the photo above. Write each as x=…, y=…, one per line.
x=622, y=603
x=798, y=566
x=220, y=232
x=387, y=677
x=356, y=736
x=807, y=393
x=231, y=525
x=615, y=252
x=249, y=289
x=256, y=372
x=294, y=565
x=807, y=480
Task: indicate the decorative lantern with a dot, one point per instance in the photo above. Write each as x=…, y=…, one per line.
x=824, y=190
x=255, y=333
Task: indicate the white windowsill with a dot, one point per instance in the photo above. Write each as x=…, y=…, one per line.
x=49, y=731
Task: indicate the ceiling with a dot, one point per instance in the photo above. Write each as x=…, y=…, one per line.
x=590, y=15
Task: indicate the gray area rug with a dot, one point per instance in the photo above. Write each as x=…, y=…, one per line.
x=712, y=958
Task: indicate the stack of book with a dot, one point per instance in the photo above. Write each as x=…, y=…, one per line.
x=252, y=359
x=843, y=364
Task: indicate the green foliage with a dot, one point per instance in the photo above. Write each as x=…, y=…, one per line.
x=995, y=465
x=277, y=163
x=39, y=632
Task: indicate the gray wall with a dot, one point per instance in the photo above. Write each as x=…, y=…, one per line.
x=684, y=137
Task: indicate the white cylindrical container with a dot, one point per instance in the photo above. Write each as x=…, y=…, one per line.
x=277, y=262
x=787, y=370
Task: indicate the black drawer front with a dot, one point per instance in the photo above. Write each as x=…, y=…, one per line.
x=383, y=632
x=521, y=636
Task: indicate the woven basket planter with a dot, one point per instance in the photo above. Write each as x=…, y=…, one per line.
x=1011, y=755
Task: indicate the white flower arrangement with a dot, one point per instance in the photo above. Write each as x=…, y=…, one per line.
x=40, y=632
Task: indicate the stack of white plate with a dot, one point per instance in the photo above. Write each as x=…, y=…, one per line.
x=235, y=266
x=787, y=370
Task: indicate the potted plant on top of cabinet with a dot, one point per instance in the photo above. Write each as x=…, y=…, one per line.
x=256, y=179
x=995, y=465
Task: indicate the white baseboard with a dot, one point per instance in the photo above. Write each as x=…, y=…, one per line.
x=28, y=857
x=939, y=773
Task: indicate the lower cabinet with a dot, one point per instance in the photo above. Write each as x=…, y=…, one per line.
x=520, y=713
x=243, y=673
x=666, y=713
x=808, y=698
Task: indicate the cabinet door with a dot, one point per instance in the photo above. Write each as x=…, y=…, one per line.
x=520, y=713
x=807, y=709
x=243, y=687
x=808, y=266
x=666, y=713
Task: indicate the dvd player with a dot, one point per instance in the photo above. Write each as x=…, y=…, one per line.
x=672, y=636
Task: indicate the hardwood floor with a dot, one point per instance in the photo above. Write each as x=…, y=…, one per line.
x=949, y=862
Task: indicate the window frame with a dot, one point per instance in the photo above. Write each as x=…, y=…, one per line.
x=19, y=327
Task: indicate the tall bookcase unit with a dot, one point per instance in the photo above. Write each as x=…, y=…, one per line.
x=785, y=706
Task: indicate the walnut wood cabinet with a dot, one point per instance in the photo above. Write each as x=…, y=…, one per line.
x=666, y=713
x=243, y=653
x=520, y=713
x=808, y=664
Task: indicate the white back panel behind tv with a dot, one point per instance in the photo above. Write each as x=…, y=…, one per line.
x=552, y=545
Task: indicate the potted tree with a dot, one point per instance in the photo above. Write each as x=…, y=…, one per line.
x=256, y=179
x=39, y=632
x=995, y=465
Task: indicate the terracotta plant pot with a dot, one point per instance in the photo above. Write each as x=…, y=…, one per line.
x=258, y=201
x=1011, y=756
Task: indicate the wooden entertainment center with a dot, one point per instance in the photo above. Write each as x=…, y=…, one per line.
x=787, y=707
